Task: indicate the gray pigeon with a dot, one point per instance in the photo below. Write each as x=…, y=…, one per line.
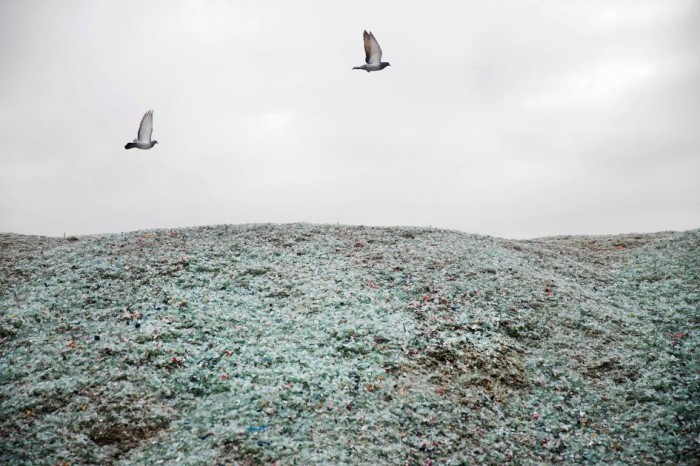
x=143, y=140
x=373, y=54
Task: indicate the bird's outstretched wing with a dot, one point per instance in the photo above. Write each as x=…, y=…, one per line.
x=373, y=52
x=146, y=128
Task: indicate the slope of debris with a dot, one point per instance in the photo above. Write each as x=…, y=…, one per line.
x=315, y=344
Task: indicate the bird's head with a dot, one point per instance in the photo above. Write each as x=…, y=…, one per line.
x=155, y=142
x=385, y=64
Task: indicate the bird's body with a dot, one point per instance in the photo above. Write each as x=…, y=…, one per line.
x=140, y=145
x=373, y=54
x=372, y=67
x=143, y=139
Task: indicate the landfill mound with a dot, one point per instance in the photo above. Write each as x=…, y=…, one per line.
x=319, y=344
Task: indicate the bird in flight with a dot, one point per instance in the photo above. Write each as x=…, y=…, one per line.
x=143, y=140
x=373, y=54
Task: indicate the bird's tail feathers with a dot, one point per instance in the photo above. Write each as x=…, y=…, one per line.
x=129, y=145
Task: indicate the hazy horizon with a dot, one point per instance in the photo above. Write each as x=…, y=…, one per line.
x=518, y=120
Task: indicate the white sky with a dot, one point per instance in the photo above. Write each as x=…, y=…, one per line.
x=510, y=118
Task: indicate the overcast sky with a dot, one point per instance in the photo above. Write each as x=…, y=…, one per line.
x=509, y=118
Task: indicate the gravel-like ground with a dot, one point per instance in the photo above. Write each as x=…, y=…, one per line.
x=316, y=344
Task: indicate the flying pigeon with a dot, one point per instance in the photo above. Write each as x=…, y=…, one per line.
x=143, y=140
x=373, y=54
